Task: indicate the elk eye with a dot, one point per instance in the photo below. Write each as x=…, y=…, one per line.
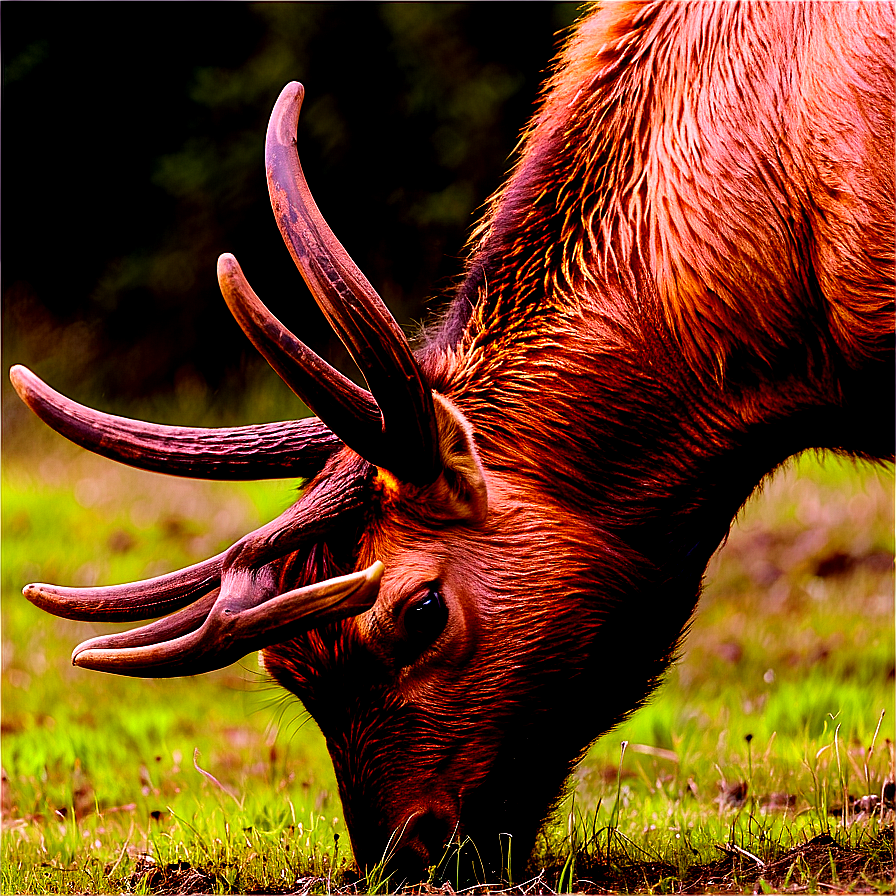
x=425, y=617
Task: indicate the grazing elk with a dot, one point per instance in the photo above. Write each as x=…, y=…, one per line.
x=687, y=279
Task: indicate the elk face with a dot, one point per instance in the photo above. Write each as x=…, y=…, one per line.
x=450, y=708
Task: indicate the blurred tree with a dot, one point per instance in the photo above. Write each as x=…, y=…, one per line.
x=133, y=156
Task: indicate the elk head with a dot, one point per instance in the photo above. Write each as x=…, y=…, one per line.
x=406, y=597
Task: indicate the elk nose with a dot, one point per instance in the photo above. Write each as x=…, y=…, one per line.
x=422, y=845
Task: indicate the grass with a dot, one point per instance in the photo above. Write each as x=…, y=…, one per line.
x=761, y=765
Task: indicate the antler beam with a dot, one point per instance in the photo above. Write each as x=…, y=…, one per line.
x=406, y=440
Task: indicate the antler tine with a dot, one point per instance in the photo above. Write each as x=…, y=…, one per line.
x=310, y=517
x=135, y=600
x=173, y=626
x=351, y=305
x=348, y=409
x=294, y=448
x=226, y=636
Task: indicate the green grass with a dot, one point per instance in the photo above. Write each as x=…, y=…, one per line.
x=741, y=775
x=100, y=789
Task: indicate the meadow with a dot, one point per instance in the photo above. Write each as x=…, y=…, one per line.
x=764, y=764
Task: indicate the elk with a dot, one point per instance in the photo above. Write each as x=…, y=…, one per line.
x=687, y=279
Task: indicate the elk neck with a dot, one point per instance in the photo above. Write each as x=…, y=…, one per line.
x=610, y=424
x=596, y=366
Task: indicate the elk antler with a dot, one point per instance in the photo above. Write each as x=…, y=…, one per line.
x=293, y=448
x=228, y=605
x=394, y=428
x=241, y=614
x=405, y=439
x=227, y=634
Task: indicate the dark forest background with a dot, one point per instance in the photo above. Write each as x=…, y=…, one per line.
x=132, y=156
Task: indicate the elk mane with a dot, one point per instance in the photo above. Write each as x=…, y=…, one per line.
x=629, y=198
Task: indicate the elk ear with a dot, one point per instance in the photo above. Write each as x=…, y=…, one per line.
x=460, y=491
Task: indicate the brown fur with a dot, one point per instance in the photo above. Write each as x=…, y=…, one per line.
x=687, y=279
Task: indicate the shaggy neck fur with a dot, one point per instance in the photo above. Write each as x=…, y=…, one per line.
x=649, y=302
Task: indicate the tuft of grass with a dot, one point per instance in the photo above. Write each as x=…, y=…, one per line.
x=100, y=789
x=764, y=764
